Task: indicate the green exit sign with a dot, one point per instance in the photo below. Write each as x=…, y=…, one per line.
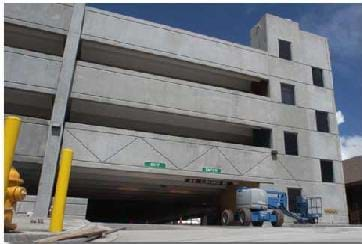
x=211, y=170
x=157, y=165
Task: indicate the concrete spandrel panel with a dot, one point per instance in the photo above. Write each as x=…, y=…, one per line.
x=181, y=153
x=43, y=14
x=31, y=68
x=315, y=97
x=81, y=152
x=244, y=160
x=302, y=168
x=271, y=169
x=151, y=37
x=319, y=145
x=103, y=83
x=32, y=139
x=285, y=69
x=213, y=159
x=139, y=152
x=289, y=115
x=101, y=145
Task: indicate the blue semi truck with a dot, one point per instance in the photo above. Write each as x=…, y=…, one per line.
x=256, y=206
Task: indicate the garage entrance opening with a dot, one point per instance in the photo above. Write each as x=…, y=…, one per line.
x=151, y=211
x=116, y=196
x=164, y=199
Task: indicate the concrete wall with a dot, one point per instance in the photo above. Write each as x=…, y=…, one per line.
x=32, y=139
x=49, y=17
x=127, y=150
x=106, y=148
x=33, y=71
x=98, y=82
x=74, y=207
x=306, y=48
x=330, y=193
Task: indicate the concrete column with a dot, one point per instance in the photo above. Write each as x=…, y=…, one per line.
x=55, y=132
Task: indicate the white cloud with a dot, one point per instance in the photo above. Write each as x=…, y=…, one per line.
x=340, y=117
x=341, y=24
x=351, y=146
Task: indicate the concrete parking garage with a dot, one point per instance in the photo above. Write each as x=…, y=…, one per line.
x=154, y=112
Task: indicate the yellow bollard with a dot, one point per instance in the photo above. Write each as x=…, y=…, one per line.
x=11, y=133
x=56, y=223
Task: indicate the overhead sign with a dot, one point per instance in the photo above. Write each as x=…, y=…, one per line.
x=204, y=181
x=211, y=170
x=157, y=165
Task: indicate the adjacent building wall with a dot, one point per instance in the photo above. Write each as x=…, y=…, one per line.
x=353, y=181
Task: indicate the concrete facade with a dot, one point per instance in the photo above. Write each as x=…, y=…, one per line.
x=143, y=92
x=74, y=208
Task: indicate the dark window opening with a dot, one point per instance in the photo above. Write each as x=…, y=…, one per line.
x=262, y=138
x=284, y=50
x=260, y=88
x=291, y=143
x=327, y=170
x=293, y=195
x=287, y=94
x=317, y=76
x=322, y=121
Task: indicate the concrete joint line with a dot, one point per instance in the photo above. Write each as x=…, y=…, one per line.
x=201, y=155
x=47, y=58
x=121, y=149
x=84, y=146
x=164, y=156
x=171, y=140
x=27, y=85
x=290, y=174
x=228, y=160
x=252, y=167
x=32, y=23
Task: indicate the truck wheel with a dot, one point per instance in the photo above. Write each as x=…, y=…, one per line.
x=280, y=218
x=245, y=216
x=227, y=217
x=257, y=223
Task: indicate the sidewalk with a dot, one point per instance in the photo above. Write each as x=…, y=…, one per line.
x=28, y=232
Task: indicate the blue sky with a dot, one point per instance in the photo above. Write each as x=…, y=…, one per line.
x=340, y=23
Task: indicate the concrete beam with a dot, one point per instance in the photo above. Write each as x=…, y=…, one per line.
x=55, y=132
